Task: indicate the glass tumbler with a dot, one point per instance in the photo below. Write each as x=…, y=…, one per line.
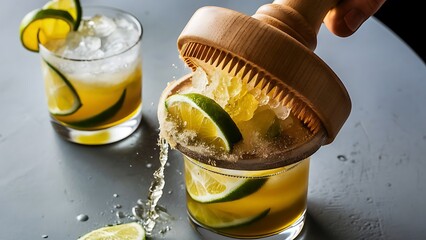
x=93, y=79
x=247, y=203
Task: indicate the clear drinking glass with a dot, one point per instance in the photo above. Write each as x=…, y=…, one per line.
x=254, y=191
x=263, y=202
x=93, y=79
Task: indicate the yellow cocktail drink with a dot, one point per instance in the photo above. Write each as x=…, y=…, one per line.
x=106, y=99
x=272, y=201
x=93, y=77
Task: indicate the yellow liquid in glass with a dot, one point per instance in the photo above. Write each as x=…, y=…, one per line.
x=98, y=94
x=278, y=203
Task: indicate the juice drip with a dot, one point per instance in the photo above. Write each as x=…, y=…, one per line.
x=156, y=189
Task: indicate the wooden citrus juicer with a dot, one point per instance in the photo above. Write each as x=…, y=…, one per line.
x=272, y=49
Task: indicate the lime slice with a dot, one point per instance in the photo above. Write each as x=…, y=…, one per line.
x=62, y=98
x=130, y=231
x=73, y=7
x=209, y=187
x=202, y=115
x=42, y=25
x=219, y=219
x=103, y=116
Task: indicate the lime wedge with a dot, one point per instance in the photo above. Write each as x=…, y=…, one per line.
x=62, y=98
x=103, y=116
x=219, y=219
x=42, y=25
x=209, y=187
x=211, y=123
x=73, y=7
x=130, y=231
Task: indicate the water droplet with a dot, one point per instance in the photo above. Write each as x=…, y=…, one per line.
x=117, y=206
x=115, y=195
x=165, y=229
x=170, y=192
x=120, y=214
x=44, y=236
x=148, y=165
x=342, y=158
x=138, y=212
x=82, y=217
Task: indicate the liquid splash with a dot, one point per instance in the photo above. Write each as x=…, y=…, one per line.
x=156, y=189
x=147, y=213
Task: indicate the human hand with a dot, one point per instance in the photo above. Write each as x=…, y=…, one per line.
x=348, y=15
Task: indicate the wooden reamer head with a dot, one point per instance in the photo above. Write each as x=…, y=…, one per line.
x=274, y=48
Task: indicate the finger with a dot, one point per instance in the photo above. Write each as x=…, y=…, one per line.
x=348, y=15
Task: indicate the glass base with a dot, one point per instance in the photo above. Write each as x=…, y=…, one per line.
x=288, y=233
x=99, y=137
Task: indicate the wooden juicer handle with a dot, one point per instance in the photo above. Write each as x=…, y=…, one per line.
x=301, y=19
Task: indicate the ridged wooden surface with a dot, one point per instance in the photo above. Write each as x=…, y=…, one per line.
x=273, y=53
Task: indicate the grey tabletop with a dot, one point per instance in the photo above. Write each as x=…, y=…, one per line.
x=368, y=184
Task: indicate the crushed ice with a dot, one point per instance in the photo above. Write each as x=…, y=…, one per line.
x=98, y=37
x=242, y=101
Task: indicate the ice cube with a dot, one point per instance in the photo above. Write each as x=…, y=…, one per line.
x=118, y=41
x=97, y=54
x=199, y=80
x=281, y=112
x=220, y=82
x=114, y=47
x=80, y=47
x=102, y=25
x=87, y=47
x=124, y=24
x=91, y=44
x=86, y=27
x=235, y=87
x=211, y=86
x=73, y=40
x=263, y=99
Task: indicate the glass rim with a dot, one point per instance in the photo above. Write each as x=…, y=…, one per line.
x=134, y=19
x=242, y=173
x=277, y=159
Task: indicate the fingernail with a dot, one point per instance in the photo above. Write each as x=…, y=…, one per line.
x=354, y=18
